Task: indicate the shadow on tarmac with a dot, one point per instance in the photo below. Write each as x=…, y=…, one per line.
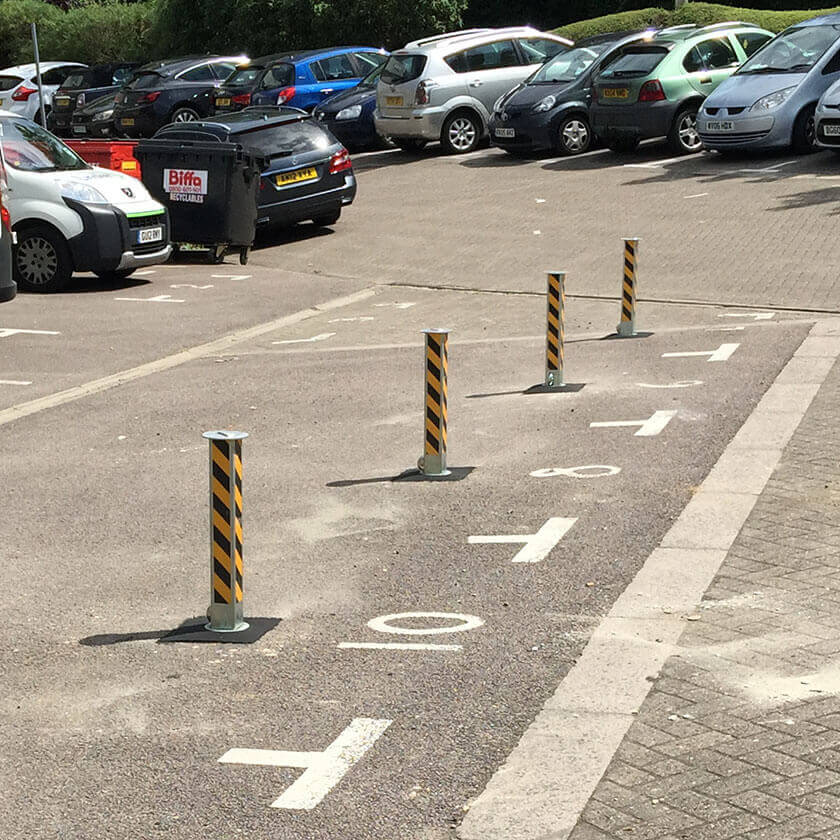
x=455, y=474
x=190, y=630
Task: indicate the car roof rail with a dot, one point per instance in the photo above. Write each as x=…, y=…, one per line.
x=447, y=35
x=681, y=27
x=725, y=24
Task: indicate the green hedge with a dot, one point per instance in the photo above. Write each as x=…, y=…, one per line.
x=701, y=13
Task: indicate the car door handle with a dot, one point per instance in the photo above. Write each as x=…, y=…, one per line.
x=327, y=90
x=476, y=83
x=705, y=80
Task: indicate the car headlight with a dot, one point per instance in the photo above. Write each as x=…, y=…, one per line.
x=351, y=113
x=106, y=115
x=772, y=100
x=545, y=104
x=82, y=192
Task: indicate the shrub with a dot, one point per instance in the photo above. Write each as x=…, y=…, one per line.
x=703, y=13
x=619, y=22
x=15, y=19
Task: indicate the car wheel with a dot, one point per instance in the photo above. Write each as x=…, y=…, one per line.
x=184, y=114
x=574, y=136
x=411, y=145
x=111, y=276
x=804, y=138
x=328, y=219
x=623, y=146
x=461, y=133
x=684, y=138
x=42, y=260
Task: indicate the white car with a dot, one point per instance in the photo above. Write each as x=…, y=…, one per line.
x=70, y=216
x=19, y=86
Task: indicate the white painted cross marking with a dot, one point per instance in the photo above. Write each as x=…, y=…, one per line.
x=323, y=770
x=756, y=316
x=6, y=332
x=647, y=428
x=231, y=276
x=319, y=337
x=190, y=286
x=537, y=546
x=682, y=383
x=155, y=299
x=14, y=382
x=589, y=471
x=394, y=305
x=720, y=355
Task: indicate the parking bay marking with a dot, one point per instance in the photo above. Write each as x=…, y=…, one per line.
x=723, y=352
x=322, y=770
x=7, y=332
x=155, y=299
x=14, y=382
x=383, y=624
x=537, y=546
x=756, y=316
x=683, y=383
x=394, y=305
x=231, y=276
x=319, y=337
x=647, y=428
x=191, y=286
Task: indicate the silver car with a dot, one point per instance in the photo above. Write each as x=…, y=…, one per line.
x=443, y=88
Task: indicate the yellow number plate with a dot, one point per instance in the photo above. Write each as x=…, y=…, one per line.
x=394, y=100
x=616, y=93
x=286, y=178
x=220, y=103
x=62, y=100
x=127, y=121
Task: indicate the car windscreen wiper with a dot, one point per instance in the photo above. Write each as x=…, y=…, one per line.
x=766, y=70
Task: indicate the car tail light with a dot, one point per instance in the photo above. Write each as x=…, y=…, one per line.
x=23, y=93
x=421, y=95
x=242, y=99
x=80, y=100
x=151, y=96
x=6, y=219
x=285, y=95
x=340, y=162
x=651, y=92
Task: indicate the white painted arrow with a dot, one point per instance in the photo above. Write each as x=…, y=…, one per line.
x=720, y=355
x=320, y=337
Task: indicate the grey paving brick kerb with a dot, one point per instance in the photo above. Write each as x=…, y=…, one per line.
x=709, y=717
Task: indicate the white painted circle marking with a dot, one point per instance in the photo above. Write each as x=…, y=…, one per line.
x=588, y=471
x=382, y=624
x=683, y=383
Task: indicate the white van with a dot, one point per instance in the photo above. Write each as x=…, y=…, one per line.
x=70, y=216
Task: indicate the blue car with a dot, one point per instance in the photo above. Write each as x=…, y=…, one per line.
x=303, y=80
x=770, y=101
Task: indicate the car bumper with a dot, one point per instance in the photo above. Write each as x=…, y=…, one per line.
x=420, y=124
x=91, y=129
x=60, y=120
x=827, y=117
x=145, y=122
x=639, y=121
x=530, y=131
x=301, y=208
x=748, y=132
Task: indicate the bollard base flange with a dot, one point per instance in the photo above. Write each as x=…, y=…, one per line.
x=242, y=625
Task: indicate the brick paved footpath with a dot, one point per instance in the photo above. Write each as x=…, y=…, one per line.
x=740, y=734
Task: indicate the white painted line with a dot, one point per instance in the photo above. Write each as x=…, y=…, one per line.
x=319, y=337
x=190, y=286
x=382, y=624
x=647, y=428
x=726, y=329
x=323, y=770
x=394, y=305
x=655, y=164
x=14, y=382
x=723, y=352
x=395, y=646
x=769, y=169
x=351, y=320
x=546, y=782
x=537, y=546
x=155, y=299
x=7, y=332
x=540, y=200
x=537, y=232
x=231, y=276
x=756, y=316
x=144, y=273
x=683, y=383
x=589, y=471
x=696, y=195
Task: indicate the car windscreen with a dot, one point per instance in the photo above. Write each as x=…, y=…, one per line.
x=795, y=50
x=373, y=77
x=28, y=147
x=567, y=66
x=9, y=82
x=402, y=68
x=635, y=61
x=243, y=77
x=278, y=141
x=145, y=80
x=79, y=79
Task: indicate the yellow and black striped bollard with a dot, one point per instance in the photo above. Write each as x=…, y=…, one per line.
x=555, y=337
x=436, y=371
x=627, y=325
x=226, y=573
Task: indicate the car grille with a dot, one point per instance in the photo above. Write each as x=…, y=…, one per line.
x=724, y=111
x=733, y=138
x=148, y=247
x=146, y=221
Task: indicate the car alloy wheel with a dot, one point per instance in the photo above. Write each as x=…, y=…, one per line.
x=462, y=134
x=687, y=132
x=183, y=115
x=37, y=261
x=574, y=136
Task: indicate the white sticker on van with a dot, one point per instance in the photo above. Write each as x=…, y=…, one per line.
x=185, y=181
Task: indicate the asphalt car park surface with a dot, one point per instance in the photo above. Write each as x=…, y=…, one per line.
x=113, y=734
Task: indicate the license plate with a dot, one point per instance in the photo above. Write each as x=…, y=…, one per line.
x=394, y=101
x=720, y=125
x=79, y=129
x=296, y=177
x=505, y=132
x=616, y=93
x=222, y=102
x=127, y=121
x=63, y=101
x=152, y=234
x=831, y=130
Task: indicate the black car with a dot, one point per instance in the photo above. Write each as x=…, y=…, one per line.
x=96, y=119
x=550, y=110
x=8, y=287
x=164, y=92
x=309, y=175
x=235, y=92
x=349, y=114
x=82, y=87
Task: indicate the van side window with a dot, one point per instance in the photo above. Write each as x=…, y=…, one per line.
x=751, y=41
x=484, y=57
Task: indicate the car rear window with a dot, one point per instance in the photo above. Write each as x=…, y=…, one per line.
x=145, y=80
x=9, y=82
x=243, y=77
x=637, y=61
x=288, y=139
x=403, y=68
x=277, y=76
x=80, y=79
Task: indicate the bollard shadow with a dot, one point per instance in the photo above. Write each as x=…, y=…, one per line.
x=455, y=474
x=568, y=388
x=191, y=630
x=617, y=337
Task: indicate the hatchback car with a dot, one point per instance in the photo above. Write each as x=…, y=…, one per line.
x=309, y=175
x=655, y=87
x=161, y=92
x=771, y=101
x=443, y=88
x=550, y=110
x=349, y=115
x=84, y=86
x=19, y=86
x=95, y=119
x=827, y=127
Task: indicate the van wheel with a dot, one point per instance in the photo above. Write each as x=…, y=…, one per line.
x=328, y=219
x=804, y=140
x=42, y=260
x=683, y=137
x=461, y=133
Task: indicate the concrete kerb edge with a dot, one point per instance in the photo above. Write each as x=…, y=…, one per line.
x=543, y=786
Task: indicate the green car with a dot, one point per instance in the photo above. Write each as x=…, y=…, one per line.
x=655, y=86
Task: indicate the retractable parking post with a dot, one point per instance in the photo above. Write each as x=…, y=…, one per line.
x=555, y=336
x=627, y=325
x=436, y=368
x=226, y=578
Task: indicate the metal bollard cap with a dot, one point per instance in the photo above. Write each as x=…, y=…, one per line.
x=225, y=435
x=436, y=331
